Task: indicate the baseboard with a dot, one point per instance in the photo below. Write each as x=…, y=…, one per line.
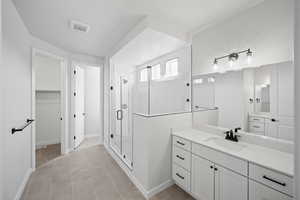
x=127, y=171
x=91, y=135
x=45, y=143
x=146, y=193
x=160, y=188
x=23, y=184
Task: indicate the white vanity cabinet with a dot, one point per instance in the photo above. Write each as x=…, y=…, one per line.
x=213, y=182
x=209, y=174
x=259, y=191
x=230, y=185
x=202, y=180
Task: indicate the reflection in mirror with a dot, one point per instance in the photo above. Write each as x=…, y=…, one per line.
x=262, y=81
x=259, y=100
x=204, y=92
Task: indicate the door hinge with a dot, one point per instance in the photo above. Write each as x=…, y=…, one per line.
x=111, y=88
x=74, y=137
x=131, y=164
x=124, y=156
x=74, y=72
x=74, y=116
x=111, y=135
x=74, y=94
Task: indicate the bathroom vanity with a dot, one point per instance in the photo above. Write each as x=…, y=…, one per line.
x=211, y=168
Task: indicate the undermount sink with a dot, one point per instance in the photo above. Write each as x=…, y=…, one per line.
x=231, y=146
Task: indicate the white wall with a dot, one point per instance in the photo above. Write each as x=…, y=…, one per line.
x=152, y=149
x=1, y=111
x=229, y=98
x=106, y=101
x=205, y=117
x=267, y=29
x=92, y=101
x=47, y=73
x=17, y=100
x=297, y=84
x=48, y=113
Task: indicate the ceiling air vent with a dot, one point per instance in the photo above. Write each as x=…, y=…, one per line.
x=79, y=26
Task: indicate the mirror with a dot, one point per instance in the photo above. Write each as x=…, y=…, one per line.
x=262, y=79
x=259, y=100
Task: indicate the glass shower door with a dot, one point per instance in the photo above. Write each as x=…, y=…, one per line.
x=121, y=118
x=127, y=128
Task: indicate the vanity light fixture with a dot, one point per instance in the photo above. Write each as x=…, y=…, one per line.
x=234, y=57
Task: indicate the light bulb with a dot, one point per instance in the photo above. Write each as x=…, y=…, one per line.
x=249, y=56
x=249, y=60
x=211, y=80
x=216, y=65
x=231, y=62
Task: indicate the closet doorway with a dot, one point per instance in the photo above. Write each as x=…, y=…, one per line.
x=48, y=107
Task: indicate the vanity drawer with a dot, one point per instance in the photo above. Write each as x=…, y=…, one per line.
x=181, y=177
x=182, y=157
x=256, y=119
x=271, y=178
x=225, y=160
x=259, y=191
x=182, y=143
x=255, y=127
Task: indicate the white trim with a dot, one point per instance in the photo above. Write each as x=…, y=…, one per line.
x=64, y=103
x=160, y=188
x=146, y=193
x=21, y=188
x=46, y=142
x=92, y=135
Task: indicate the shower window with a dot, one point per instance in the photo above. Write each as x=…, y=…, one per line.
x=144, y=75
x=172, y=68
x=156, y=72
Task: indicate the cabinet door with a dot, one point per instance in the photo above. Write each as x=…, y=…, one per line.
x=230, y=185
x=258, y=191
x=202, y=177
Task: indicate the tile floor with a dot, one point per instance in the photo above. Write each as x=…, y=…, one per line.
x=89, y=141
x=88, y=174
x=44, y=155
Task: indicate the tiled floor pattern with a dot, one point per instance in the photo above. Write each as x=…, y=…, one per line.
x=88, y=174
x=89, y=142
x=49, y=152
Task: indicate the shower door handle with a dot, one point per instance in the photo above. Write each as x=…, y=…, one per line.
x=119, y=114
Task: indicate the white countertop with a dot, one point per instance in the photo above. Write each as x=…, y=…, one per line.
x=270, y=158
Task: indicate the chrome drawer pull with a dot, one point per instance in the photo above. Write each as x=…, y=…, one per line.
x=179, y=176
x=274, y=181
x=178, y=156
x=181, y=143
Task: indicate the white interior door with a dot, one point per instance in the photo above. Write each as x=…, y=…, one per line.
x=116, y=118
x=79, y=105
